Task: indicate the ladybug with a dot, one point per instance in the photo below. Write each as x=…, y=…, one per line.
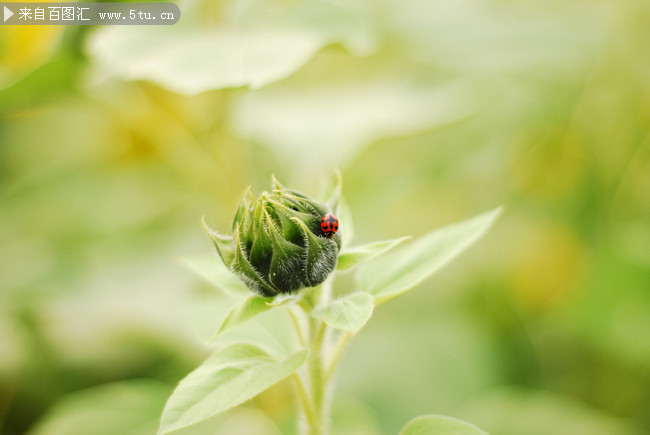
x=329, y=224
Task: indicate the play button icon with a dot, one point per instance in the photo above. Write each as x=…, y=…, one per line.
x=7, y=13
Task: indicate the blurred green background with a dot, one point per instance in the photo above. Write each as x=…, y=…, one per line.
x=114, y=141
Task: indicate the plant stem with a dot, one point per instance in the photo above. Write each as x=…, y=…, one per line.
x=316, y=406
x=316, y=379
x=296, y=325
x=304, y=399
x=338, y=352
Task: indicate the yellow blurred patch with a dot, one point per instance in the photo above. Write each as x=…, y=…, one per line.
x=25, y=48
x=277, y=402
x=545, y=266
x=551, y=167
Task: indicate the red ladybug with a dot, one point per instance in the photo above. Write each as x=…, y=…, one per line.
x=329, y=224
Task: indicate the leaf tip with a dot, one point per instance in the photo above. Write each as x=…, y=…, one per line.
x=205, y=225
x=499, y=211
x=494, y=214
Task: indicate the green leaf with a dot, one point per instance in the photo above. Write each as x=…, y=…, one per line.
x=223, y=244
x=348, y=313
x=248, y=44
x=333, y=190
x=439, y=425
x=211, y=268
x=358, y=112
x=358, y=254
x=284, y=299
x=250, y=308
x=193, y=60
x=226, y=379
x=239, y=314
x=127, y=407
x=400, y=271
x=346, y=225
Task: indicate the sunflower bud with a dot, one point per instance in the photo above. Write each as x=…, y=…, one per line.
x=278, y=245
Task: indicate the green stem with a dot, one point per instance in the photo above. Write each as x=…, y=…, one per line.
x=316, y=378
x=304, y=400
x=317, y=408
x=298, y=328
x=338, y=352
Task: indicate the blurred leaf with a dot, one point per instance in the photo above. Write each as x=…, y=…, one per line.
x=470, y=37
x=250, y=308
x=346, y=23
x=358, y=254
x=400, y=271
x=349, y=23
x=438, y=425
x=333, y=190
x=344, y=118
x=346, y=224
x=191, y=61
x=127, y=407
x=226, y=379
x=211, y=268
x=348, y=313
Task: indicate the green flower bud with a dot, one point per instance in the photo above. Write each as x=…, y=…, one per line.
x=277, y=244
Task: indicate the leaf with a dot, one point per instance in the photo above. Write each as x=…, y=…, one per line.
x=226, y=379
x=358, y=113
x=211, y=268
x=126, y=407
x=250, y=308
x=491, y=47
x=333, y=190
x=193, y=60
x=439, y=425
x=253, y=44
x=285, y=299
x=348, y=313
x=224, y=244
x=400, y=271
x=239, y=314
x=346, y=225
x=358, y=254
